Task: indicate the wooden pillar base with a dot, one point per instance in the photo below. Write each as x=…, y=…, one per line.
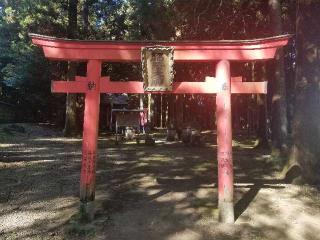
x=87, y=211
x=226, y=212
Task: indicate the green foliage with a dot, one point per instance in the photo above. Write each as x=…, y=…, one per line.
x=24, y=68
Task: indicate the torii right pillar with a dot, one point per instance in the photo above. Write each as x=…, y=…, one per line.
x=224, y=143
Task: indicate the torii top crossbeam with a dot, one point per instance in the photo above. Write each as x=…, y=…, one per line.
x=186, y=51
x=96, y=52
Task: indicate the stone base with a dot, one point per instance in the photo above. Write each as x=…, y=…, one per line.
x=87, y=211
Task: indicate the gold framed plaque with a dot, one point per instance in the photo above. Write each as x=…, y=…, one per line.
x=157, y=68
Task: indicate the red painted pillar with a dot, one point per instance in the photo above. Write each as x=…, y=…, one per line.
x=90, y=137
x=224, y=139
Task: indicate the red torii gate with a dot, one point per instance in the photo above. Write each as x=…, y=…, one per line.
x=95, y=52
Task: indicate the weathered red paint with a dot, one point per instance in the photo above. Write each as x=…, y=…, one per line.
x=209, y=86
x=224, y=140
x=90, y=132
x=111, y=51
x=188, y=51
x=69, y=87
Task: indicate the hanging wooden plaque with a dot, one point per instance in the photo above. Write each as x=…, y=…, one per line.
x=157, y=68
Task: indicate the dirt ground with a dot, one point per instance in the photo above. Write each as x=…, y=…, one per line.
x=167, y=192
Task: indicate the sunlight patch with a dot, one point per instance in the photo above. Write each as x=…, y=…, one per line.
x=4, y=145
x=186, y=234
x=59, y=139
x=17, y=220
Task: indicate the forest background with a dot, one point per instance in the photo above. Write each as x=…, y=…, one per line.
x=286, y=120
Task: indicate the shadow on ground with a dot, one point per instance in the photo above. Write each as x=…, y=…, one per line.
x=163, y=192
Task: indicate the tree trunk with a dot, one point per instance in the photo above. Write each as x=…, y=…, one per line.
x=71, y=127
x=279, y=102
x=306, y=128
x=72, y=19
x=85, y=17
x=262, y=113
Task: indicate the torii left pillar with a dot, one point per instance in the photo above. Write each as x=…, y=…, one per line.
x=224, y=143
x=90, y=137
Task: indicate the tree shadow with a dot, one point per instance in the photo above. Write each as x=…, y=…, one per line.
x=168, y=191
x=241, y=205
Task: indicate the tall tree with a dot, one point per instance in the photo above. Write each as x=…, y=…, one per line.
x=85, y=16
x=279, y=124
x=306, y=127
x=71, y=127
x=262, y=112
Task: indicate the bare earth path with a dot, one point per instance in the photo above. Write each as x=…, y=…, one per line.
x=143, y=193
